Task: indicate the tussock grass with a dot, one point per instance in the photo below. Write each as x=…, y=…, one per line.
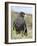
x=21, y=35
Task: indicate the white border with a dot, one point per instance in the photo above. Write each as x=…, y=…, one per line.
x=9, y=23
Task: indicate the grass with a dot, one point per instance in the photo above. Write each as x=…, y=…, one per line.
x=21, y=35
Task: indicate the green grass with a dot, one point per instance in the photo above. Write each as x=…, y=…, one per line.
x=19, y=36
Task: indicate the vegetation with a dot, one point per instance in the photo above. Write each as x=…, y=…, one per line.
x=28, y=19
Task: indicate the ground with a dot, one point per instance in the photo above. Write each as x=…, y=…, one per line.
x=19, y=36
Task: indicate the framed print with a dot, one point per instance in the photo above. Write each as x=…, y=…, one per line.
x=20, y=22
